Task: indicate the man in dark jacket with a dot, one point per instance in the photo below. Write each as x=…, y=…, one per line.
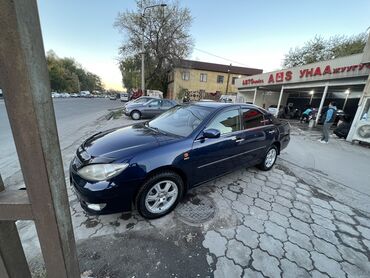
x=329, y=118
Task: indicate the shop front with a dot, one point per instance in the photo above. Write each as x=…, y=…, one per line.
x=341, y=80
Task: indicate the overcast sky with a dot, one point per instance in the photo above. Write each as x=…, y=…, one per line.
x=253, y=33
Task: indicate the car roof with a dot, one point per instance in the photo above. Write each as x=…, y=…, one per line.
x=217, y=105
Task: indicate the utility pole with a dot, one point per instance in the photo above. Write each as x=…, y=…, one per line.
x=228, y=79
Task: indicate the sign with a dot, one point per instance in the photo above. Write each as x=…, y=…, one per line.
x=344, y=67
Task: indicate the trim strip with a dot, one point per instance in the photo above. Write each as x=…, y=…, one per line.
x=235, y=155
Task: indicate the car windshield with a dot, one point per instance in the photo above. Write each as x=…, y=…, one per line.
x=180, y=120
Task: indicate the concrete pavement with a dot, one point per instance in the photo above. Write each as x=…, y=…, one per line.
x=344, y=164
x=289, y=222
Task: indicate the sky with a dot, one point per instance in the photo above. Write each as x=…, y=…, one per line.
x=251, y=33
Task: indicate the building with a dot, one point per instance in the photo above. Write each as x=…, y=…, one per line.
x=341, y=80
x=200, y=80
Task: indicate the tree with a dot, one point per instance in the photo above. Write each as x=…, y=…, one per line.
x=166, y=41
x=320, y=49
x=66, y=75
x=130, y=73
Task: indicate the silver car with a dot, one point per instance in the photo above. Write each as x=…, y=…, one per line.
x=149, y=109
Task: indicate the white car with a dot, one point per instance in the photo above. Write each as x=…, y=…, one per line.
x=273, y=109
x=85, y=94
x=124, y=97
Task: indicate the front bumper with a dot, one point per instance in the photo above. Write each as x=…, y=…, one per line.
x=126, y=112
x=116, y=196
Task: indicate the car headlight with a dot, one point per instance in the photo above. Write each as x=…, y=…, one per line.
x=101, y=172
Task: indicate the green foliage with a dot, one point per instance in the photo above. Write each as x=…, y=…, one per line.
x=166, y=40
x=182, y=92
x=320, y=49
x=66, y=75
x=130, y=69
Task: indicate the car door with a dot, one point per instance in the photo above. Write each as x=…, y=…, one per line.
x=153, y=108
x=256, y=135
x=215, y=156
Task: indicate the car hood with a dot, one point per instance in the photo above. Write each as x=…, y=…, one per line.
x=121, y=143
x=133, y=105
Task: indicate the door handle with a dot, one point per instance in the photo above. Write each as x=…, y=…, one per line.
x=238, y=139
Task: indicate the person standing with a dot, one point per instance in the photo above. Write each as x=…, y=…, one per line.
x=329, y=118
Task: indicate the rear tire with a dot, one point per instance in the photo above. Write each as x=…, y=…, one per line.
x=135, y=115
x=159, y=195
x=269, y=159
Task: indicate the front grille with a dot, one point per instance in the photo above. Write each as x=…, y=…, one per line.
x=77, y=163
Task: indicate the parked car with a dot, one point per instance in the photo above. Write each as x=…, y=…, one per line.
x=228, y=98
x=55, y=95
x=152, y=164
x=113, y=97
x=149, y=109
x=124, y=97
x=274, y=110
x=154, y=93
x=85, y=94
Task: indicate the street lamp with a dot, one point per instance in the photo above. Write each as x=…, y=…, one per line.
x=347, y=92
x=312, y=92
x=142, y=46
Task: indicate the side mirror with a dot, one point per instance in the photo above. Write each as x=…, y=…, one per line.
x=211, y=133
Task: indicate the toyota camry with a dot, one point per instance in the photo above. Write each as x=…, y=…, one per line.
x=151, y=165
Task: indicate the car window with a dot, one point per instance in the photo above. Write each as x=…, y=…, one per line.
x=141, y=100
x=226, y=122
x=251, y=118
x=166, y=103
x=180, y=120
x=154, y=103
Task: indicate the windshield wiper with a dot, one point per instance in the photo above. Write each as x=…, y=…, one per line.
x=152, y=127
x=160, y=130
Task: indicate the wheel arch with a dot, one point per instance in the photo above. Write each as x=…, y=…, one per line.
x=277, y=144
x=163, y=169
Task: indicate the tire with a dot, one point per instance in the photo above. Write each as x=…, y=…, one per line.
x=267, y=163
x=135, y=115
x=145, y=200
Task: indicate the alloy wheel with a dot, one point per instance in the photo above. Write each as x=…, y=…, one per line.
x=161, y=196
x=270, y=158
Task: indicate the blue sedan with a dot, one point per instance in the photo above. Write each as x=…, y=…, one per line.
x=152, y=165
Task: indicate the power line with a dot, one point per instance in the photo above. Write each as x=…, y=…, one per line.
x=226, y=59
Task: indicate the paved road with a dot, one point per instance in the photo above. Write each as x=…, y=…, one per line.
x=72, y=116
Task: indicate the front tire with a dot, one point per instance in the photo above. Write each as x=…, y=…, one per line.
x=159, y=195
x=269, y=159
x=135, y=115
